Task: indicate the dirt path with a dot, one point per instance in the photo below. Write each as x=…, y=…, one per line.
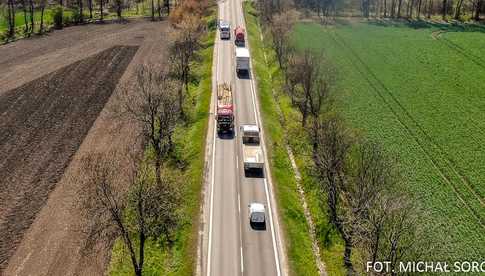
x=53, y=245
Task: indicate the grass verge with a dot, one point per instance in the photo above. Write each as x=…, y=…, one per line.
x=190, y=147
x=298, y=242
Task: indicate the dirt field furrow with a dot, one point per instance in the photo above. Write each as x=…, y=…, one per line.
x=43, y=124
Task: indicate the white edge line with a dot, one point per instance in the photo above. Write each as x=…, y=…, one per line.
x=242, y=260
x=209, y=247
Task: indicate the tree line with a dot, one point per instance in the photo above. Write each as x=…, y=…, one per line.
x=359, y=183
x=406, y=9
x=149, y=208
x=81, y=11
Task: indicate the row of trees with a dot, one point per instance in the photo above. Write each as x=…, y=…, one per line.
x=358, y=182
x=325, y=9
x=150, y=209
x=96, y=10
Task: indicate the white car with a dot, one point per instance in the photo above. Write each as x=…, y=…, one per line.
x=225, y=30
x=257, y=215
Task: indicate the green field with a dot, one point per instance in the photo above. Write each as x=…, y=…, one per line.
x=419, y=90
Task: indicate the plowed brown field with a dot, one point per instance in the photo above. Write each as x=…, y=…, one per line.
x=56, y=97
x=43, y=124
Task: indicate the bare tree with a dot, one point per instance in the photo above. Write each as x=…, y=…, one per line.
x=281, y=28
x=331, y=145
x=153, y=105
x=147, y=211
x=309, y=80
x=182, y=53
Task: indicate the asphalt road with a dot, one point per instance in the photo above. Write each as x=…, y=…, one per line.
x=233, y=247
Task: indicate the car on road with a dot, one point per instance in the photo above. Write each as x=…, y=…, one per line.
x=225, y=30
x=257, y=215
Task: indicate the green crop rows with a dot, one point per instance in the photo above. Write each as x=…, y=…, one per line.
x=421, y=92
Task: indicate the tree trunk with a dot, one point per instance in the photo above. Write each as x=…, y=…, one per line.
x=119, y=9
x=348, y=255
x=445, y=9
x=430, y=7
x=32, y=24
x=101, y=8
x=399, y=9
x=478, y=8
x=11, y=18
x=90, y=6
x=81, y=15
x=153, y=10
x=159, y=9
x=420, y=2
x=458, y=9
x=41, y=29
x=167, y=6
x=26, y=21
x=393, y=8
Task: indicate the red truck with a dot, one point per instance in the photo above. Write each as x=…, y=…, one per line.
x=225, y=109
x=239, y=36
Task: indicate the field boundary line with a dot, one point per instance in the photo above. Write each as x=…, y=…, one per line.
x=440, y=169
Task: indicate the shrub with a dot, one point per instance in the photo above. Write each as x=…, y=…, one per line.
x=76, y=16
x=57, y=15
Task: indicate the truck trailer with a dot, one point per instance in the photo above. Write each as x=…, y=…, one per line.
x=242, y=60
x=252, y=153
x=225, y=109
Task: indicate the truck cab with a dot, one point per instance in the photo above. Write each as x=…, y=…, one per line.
x=239, y=36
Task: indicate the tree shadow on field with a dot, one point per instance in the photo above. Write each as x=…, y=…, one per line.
x=453, y=26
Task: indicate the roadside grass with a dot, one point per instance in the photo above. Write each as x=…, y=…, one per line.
x=419, y=93
x=298, y=242
x=189, y=160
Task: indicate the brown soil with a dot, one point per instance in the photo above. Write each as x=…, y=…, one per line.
x=49, y=129
x=43, y=125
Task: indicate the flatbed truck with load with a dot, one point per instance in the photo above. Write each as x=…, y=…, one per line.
x=225, y=108
x=253, y=158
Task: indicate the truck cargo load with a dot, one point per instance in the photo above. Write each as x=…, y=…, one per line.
x=242, y=60
x=225, y=108
x=239, y=36
x=252, y=153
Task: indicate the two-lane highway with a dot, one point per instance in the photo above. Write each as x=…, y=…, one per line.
x=232, y=247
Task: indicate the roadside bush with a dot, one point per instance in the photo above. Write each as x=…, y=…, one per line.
x=76, y=16
x=66, y=19
x=57, y=15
